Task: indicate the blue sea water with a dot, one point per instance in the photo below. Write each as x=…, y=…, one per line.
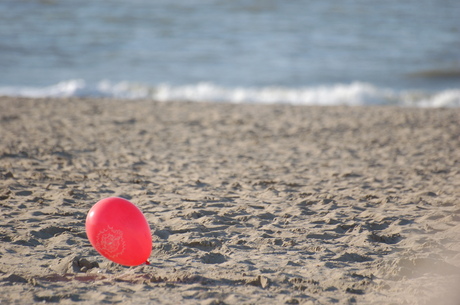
x=355, y=52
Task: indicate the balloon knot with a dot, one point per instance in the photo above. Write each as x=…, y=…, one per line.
x=147, y=262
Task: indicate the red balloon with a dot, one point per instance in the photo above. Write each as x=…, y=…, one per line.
x=118, y=230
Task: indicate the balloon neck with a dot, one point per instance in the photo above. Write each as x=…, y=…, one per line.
x=147, y=262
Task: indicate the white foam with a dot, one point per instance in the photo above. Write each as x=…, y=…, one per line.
x=353, y=94
x=447, y=98
x=63, y=89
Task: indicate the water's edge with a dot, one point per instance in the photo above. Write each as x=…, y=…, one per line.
x=353, y=94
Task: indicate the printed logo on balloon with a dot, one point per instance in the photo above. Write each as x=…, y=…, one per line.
x=111, y=242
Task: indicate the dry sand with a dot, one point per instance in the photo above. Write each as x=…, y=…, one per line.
x=248, y=204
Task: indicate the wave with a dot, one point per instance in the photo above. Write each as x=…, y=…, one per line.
x=354, y=94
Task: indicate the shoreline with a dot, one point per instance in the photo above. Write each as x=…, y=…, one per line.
x=247, y=203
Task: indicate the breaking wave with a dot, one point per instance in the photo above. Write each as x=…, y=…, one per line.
x=353, y=94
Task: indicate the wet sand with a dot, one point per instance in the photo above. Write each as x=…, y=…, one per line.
x=248, y=204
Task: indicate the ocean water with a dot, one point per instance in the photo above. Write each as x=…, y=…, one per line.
x=353, y=52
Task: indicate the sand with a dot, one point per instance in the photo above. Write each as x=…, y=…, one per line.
x=247, y=204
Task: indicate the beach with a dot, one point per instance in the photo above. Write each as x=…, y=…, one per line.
x=247, y=204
